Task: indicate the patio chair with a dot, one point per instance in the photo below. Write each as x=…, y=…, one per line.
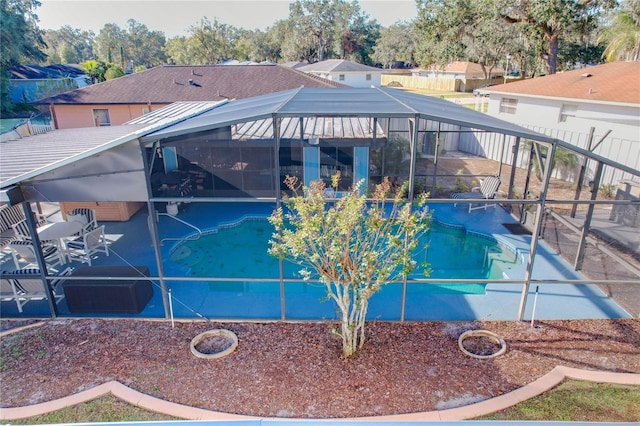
x=21, y=230
x=92, y=242
x=8, y=291
x=86, y=216
x=23, y=290
x=486, y=191
x=25, y=250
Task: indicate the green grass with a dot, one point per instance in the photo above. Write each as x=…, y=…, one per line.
x=104, y=409
x=574, y=400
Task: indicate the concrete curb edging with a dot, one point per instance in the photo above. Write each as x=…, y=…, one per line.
x=117, y=389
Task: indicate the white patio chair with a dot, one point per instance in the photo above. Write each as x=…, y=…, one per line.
x=21, y=229
x=92, y=242
x=487, y=191
x=8, y=291
x=23, y=290
x=24, y=250
x=86, y=216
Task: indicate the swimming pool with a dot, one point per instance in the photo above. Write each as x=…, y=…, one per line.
x=239, y=250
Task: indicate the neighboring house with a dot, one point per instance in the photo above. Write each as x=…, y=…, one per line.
x=117, y=101
x=459, y=70
x=603, y=99
x=28, y=83
x=345, y=72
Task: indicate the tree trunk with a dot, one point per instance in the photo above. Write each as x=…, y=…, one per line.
x=352, y=329
x=552, y=55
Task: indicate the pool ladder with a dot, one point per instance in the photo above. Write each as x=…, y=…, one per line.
x=191, y=237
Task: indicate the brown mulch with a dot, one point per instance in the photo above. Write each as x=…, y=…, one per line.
x=295, y=369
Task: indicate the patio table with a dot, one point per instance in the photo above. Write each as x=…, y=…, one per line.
x=57, y=231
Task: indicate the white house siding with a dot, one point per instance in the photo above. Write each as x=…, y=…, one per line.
x=543, y=115
x=356, y=79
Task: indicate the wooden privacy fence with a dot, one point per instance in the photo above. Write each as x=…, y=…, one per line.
x=440, y=84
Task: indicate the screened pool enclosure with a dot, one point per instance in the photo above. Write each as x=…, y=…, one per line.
x=192, y=169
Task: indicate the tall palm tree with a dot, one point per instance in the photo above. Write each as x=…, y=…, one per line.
x=623, y=36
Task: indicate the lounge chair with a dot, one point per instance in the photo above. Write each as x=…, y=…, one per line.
x=486, y=191
x=23, y=290
x=92, y=242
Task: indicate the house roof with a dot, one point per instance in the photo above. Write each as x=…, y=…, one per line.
x=617, y=82
x=38, y=72
x=337, y=65
x=463, y=67
x=169, y=83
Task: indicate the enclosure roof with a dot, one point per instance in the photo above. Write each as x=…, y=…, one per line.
x=344, y=102
x=26, y=158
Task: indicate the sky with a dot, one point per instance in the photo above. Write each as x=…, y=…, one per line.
x=174, y=17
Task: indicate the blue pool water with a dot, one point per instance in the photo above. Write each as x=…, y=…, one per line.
x=240, y=251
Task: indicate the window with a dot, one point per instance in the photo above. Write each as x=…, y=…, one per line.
x=341, y=77
x=508, y=105
x=368, y=77
x=567, y=111
x=101, y=117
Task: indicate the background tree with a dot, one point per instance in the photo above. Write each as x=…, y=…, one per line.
x=262, y=46
x=358, y=40
x=396, y=43
x=622, y=35
x=109, y=41
x=463, y=30
x=113, y=71
x=68, y=45
x=182, y=50
x=213, y=42
x=441, y=26
x=332, y=28
x=20, y=41
x=349, y=245
x=318, y=20
x=95, y=69
x=295, y=45
x=553, y=19
x=142, y=46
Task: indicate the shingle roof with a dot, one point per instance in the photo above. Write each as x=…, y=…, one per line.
x=170, y=83
x=463, y=67
x=337, y=65
x=27, y=72
x=613, y=82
